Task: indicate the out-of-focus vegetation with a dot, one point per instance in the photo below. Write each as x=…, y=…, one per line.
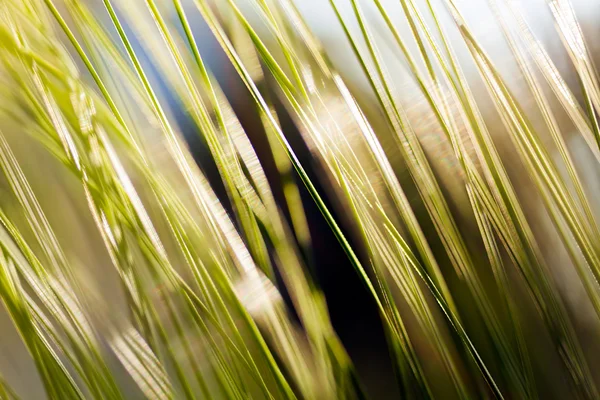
x=125, y=272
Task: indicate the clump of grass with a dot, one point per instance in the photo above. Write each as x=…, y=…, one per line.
x=201, y=276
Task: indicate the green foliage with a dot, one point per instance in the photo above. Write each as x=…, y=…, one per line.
x=470, y=309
